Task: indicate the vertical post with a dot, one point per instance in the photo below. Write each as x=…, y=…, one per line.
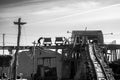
x=16, y=53
x=3, y=42
x=10, y=67
x=42, y=70
x=3, y=54
x=115, y=54
x=62, y=66
x=111, y=56
x=34, y=57
x=19, y=23
x=118, y=53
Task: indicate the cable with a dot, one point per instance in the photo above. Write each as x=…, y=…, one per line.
x=7, y=34
x=24, y=35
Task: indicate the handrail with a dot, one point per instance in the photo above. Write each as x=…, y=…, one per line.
x=92, y=63
x=99, y=63
x=105, y=68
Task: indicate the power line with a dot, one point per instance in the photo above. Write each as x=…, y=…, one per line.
x=10, y=17
x=8, y=34
x=24, y=36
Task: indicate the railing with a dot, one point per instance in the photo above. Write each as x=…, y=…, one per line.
x=102, y=69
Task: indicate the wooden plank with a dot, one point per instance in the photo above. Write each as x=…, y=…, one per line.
x=29, y=47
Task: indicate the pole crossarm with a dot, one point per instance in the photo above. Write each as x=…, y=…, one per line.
x=19, y=22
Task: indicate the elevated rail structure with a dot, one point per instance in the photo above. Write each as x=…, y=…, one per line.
x=86, y=57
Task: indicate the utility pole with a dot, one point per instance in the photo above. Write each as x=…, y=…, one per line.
x=19, y=23
x=3, y=54
x=3, y=42
x=34, y=43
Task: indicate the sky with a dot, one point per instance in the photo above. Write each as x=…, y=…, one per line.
x=53, y=18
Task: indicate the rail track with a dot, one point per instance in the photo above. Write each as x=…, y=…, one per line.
x=102, y=70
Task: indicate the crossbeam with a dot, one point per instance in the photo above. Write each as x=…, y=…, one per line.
x=109, y=47
x=29, y=47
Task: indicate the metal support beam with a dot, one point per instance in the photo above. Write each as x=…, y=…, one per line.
x=29, y=47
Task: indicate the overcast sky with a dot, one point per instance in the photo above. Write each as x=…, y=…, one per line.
x=55, y=17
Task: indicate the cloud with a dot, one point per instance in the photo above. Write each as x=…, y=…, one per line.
x=16, y=3
x=54, y=15
x=75, y=6
x=54, y=11
x=24, y=7
x=74, y=12
x=75, y=16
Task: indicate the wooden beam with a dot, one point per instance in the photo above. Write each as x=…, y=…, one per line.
x=29, y=47
x=111, y=46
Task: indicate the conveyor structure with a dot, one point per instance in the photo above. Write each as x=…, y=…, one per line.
x=83, y=58
x=90, y=60
x=102, y=69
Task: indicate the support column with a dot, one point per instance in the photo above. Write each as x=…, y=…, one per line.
x=42, y=70
x=10, y=74
x=119, y=54
x=115, y=55
x=111, y=56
